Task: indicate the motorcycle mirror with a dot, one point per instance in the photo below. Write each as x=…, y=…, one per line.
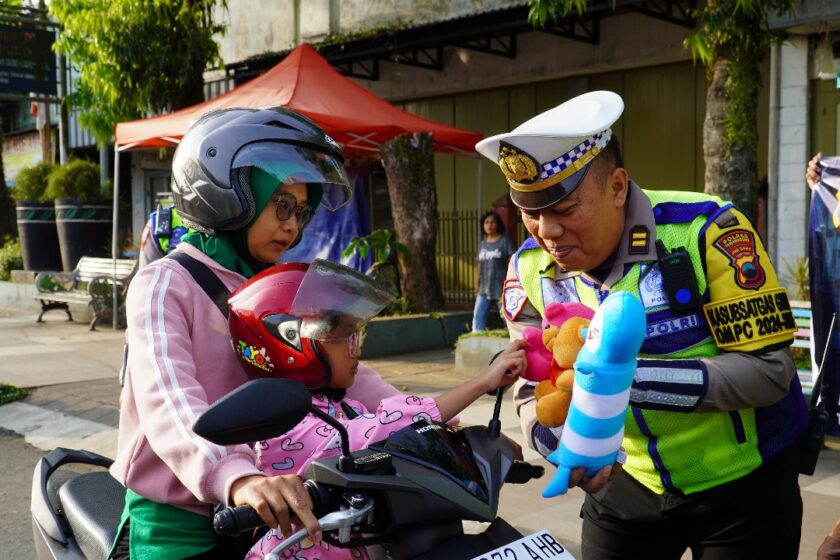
x=258, y=410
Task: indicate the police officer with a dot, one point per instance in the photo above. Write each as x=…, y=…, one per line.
x=716, y=414
x=162, y=234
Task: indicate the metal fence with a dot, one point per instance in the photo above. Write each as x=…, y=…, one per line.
x=457, y=255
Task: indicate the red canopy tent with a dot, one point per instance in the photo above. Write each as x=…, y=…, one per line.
x=356, y=118
x=305, y=82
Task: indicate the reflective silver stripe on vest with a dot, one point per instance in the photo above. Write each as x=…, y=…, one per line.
x=670, y=375
x=669, y=400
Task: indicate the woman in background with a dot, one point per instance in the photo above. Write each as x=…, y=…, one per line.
x=494, y=252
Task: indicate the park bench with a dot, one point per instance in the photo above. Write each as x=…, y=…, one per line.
x=91, y=283
x=802, y=340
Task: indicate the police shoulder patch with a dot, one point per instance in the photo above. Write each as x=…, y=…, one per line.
x=739, y=246
x=514, y=298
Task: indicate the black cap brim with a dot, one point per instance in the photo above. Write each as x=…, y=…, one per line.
x=537, y=200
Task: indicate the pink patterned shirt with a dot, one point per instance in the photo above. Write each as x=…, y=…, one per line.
x=314, y=439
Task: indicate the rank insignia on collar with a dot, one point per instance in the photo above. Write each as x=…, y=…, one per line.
x=517, y=165
x=639, y=240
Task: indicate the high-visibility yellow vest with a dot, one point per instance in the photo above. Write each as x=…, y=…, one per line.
x=693, y=451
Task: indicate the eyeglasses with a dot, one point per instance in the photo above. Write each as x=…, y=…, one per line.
x=287, y=205
x=355, y=341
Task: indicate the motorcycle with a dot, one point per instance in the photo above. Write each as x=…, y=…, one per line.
x=404, y=497
x=74, y=515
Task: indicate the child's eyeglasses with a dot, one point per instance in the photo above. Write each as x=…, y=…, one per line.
x=287, y=205
x=355, y=341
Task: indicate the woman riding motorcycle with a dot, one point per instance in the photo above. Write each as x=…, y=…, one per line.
x=247, y=181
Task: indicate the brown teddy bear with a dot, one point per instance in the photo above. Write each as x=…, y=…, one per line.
x=564, y=342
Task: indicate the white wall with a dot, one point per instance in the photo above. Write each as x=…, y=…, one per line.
x=256, y=27
x=788, y=205
x=263, y=27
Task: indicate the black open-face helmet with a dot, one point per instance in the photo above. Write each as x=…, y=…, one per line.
x=211, y=170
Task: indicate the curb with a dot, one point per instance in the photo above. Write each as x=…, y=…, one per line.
x=47, y=429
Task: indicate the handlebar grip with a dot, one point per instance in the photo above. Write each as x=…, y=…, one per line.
x=235, y=520
x=521, y=472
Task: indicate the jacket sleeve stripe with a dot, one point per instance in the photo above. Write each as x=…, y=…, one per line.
x=160, y=333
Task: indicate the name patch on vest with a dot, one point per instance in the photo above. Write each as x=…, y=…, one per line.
x=557, y=291
x=739, y=246
x=751, y=322
x=652, y=288
x=672, y=326
x=514, y=298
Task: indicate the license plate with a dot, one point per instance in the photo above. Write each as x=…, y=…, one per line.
x=537, y=546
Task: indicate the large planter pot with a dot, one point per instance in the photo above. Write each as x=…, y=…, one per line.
x=388, y=336
x=84, y=230
x=38, y=235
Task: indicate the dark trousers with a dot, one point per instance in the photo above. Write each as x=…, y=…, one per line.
x=757, y=516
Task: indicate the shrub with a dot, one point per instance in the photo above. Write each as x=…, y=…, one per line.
x=400, y=306
x=10, y=393
x=78, y=179
x=797, y=275
x=31, y=182
x=10, y=259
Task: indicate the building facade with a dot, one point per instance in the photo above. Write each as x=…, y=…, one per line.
x=480, y=65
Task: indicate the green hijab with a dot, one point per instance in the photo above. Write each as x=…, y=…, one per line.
x=230, y=248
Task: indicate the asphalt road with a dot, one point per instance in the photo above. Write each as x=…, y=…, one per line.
x=17, y=461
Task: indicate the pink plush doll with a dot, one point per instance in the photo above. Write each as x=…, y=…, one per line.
x=538, y=355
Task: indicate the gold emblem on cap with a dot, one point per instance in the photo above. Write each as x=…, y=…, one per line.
x=518, y=166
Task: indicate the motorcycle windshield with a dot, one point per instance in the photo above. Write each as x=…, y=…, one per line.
x=442, y=448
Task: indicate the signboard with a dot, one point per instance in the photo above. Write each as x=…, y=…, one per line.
x=19, y=151
x=27, y=61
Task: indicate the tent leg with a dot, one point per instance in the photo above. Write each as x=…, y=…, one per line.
x=114, y=243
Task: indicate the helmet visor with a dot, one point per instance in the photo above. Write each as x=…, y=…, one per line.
x=334, y=301
x=297, y=163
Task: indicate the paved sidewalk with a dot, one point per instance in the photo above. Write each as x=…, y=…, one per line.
x=76, y=399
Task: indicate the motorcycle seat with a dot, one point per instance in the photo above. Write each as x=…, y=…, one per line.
x=93, y=504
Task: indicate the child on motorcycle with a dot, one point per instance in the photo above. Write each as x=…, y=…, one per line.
x=246, y=181
x=304, y=322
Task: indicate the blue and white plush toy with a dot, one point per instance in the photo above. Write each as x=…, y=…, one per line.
x=604, y=371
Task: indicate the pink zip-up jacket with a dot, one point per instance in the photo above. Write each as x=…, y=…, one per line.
x=314, y=439
x=180, y=360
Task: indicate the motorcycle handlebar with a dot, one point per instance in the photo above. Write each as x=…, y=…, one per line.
x=521, y=472
x=234, y=520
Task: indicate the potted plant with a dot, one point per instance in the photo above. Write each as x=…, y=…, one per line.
x=83, y=214
x=36, y=219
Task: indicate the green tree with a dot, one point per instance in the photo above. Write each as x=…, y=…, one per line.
x=731, y=40
x=135, y=57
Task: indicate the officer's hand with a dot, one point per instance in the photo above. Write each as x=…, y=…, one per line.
x=594, y=483
x=600, y=479
x=812, y=174
x=830, y=547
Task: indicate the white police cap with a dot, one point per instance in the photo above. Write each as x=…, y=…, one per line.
x=545, y=158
